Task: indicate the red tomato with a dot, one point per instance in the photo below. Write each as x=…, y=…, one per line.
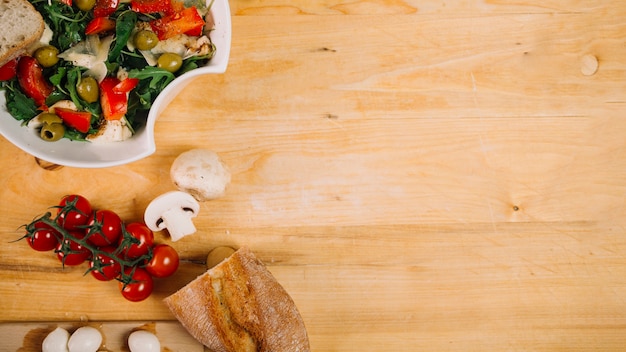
x=105, y=267
x=187, y=20
x=74, y=212
x=126, y=85
x=105, y=228
x=151, y=6
x=139, y=288
x=100, y=25
x=105, y=8
x=31, y=79
x=114, y=103
x=79, y=120
x=43, y=237
x=8, y=70
x=164, y=261
x=72, y=253
x=136, y=240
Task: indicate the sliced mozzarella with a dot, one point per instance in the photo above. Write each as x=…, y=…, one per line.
x=111, y=131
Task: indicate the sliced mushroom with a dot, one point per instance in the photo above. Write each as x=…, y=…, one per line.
x=172, y=211
x=201, y=173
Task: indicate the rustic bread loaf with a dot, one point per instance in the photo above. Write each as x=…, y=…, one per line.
x=20, y=26
x=239, y=306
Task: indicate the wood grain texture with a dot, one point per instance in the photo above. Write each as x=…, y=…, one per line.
x=418, y=175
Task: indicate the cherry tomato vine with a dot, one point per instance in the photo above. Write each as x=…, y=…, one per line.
x=114, y=250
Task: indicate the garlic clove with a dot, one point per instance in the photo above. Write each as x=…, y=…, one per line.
x=56, y=341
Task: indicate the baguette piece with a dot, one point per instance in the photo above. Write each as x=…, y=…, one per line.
x=20, y=26
x=239, y=306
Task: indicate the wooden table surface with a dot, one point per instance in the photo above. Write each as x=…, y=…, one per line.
x=419, y=176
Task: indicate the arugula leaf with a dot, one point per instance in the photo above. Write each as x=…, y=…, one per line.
x=158, y=77
x=123, y=28
x=20, y=106
x=66, y=22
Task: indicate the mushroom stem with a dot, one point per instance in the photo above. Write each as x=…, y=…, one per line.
x=172, y=211
x=178, y=223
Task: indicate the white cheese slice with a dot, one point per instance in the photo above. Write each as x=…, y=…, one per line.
x=111, y=131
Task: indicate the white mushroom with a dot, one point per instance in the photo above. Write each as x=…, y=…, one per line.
x=172, y=211
x=201, y=173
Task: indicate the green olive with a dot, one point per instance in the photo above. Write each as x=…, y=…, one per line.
x=87, y=89
x=47, y=56
x=48, y=118
x=85, y=5
x=52, y=132
x=170, y=62
x=145, y=40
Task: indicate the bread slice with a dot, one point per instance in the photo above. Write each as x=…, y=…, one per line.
x=239, y=306
x=20, y=26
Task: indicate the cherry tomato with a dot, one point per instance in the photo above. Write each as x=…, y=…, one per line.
x=43, y=237
x=31, y=79
x=136, y=241
x=164, y=261
x=105, y=228
x=8, y=70
x=105, y=267
x=72, y=253
x=74, y=212
x=140, y=287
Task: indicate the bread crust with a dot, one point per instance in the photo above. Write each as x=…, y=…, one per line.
x=239, y=306
x=20, y=26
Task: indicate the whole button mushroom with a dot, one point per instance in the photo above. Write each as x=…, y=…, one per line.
x=201, y=173
x=172, y=211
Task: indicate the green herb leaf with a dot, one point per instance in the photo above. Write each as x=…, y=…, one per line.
x=123, y=28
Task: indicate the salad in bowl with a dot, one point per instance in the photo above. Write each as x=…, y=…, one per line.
x=89, y=92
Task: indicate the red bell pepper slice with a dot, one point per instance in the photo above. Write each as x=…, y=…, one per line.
x=114, y=103
x=31, y=79
x=105, y=8
x=66, y=2
x=187, y=20
x=100, y=25
x=8, y=70
x=152, y=6
x=79, y=120
x=126, y=85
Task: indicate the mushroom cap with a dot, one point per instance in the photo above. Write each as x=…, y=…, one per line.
x=201, y=173
x=153, y=215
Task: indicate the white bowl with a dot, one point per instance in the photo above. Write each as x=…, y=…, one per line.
x=98, y=155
